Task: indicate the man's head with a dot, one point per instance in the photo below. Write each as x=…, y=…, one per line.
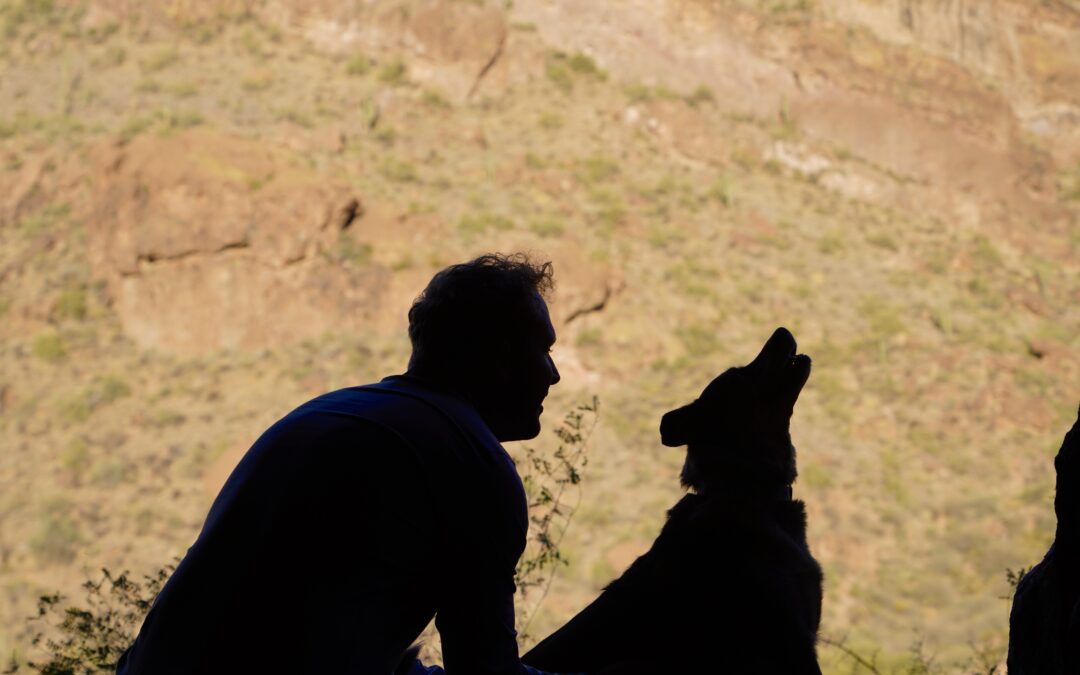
x=483, y=328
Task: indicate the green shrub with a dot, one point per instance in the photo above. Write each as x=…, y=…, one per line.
x=393, y=73
x=433, y=98
x=76, y=458
x=160, y=60
x=44, y=218
x=559, y=75
x=297, y=117
x=551, y=480
x=547, y=227
x=56, y=538
x=90, y=637
x=49, y=347
x=71, y=304
x=109, y=471
x=353, y=251
x=114, y=55
x=358, y=65
x=472, y=224
x=589, y=337
x=399, y=171
x=699, y=339
x=720, y=192
x=700, y=95
x=596, y=169
x=640, y=93
x=184, y=89
x=550, y=121
x=583, y=64
x=102, y=391
x=259, y=80
x=884, y=319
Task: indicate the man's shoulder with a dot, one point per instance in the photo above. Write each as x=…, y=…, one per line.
x=377, y=401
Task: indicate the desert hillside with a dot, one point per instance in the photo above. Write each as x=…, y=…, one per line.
x=212, y=211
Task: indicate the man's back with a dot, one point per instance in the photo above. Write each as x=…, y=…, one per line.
x=343, y=530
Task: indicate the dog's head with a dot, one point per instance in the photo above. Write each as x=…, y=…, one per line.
x=738, y=429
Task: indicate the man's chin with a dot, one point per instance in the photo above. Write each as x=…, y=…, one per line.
x=520, y=432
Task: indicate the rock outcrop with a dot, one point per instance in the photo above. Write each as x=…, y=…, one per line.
x=209, y=242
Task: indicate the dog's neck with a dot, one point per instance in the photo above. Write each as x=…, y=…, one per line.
x=780, y=493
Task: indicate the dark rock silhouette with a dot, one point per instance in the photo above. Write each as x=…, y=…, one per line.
x=731, y=571
x=1044, y=626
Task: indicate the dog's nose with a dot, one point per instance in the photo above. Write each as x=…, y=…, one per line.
x=779, y=349
x=676, y=426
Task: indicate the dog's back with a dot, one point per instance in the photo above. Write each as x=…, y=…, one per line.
x=726, y=580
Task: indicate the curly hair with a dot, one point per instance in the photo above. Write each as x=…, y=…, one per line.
x=472, y=307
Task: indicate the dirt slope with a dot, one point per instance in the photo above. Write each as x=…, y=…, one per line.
x=897, y=182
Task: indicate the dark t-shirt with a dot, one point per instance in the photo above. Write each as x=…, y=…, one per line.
x=348, y=525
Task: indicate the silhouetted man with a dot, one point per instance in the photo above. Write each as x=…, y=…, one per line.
x=367, y=511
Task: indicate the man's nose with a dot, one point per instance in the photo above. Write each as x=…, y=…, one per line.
x=555, y=377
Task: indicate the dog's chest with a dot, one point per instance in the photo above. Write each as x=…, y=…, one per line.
x=727, y=549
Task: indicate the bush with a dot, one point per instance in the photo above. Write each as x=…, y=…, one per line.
x=49, y=347
x=393, y=73
x=358, y=65
x=550, y=482
x=472, y=224
x=71, y=304
x=57, y=536
x=101, y=391
x=89, y=639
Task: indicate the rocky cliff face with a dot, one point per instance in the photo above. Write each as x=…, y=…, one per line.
x=969, y=109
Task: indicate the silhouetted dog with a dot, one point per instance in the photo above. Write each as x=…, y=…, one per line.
x=729, y=585
x=1044, y=627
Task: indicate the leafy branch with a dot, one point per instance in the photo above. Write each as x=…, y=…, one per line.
x=547, y=481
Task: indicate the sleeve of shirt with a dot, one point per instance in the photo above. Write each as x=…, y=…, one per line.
x=476, y=621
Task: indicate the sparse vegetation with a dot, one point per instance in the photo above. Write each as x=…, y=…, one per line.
x=399, y=171
x=71, y=304
x=257, y=80
x=159, y=60
x=474, y=224
x=432, y=98
x=903, y=469
x=56, y=539
x=104, y=390
x=49, y=347
x=358, y=65
x=547, y=227
x=393, y=72
x=596, y=169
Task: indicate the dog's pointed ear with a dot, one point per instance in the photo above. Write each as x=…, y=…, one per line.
x=677, y=427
